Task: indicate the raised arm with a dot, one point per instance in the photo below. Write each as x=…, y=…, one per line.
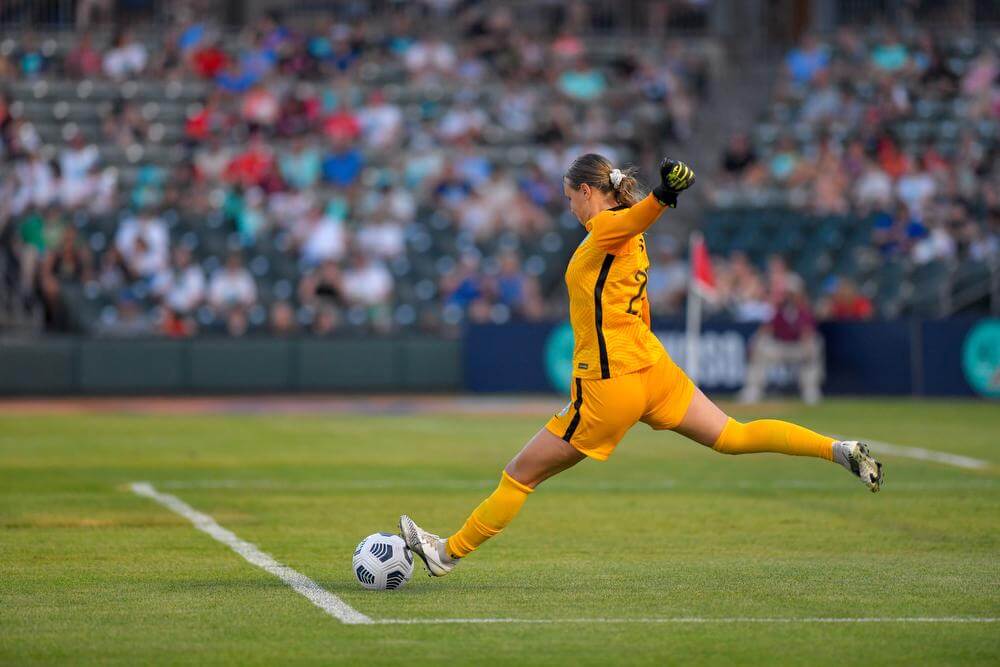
x=611, y=228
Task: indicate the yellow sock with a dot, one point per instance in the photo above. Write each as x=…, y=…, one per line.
x=492, y=515
x=772, y=435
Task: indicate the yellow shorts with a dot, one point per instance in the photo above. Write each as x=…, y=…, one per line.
x=600, y=412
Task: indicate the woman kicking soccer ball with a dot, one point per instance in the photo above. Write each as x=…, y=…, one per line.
x=621, y=372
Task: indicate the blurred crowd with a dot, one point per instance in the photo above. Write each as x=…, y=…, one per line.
x=297, y=151
x=403, y=170
x=906, y=127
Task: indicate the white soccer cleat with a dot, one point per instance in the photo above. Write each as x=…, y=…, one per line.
x=432, y=549
x=854, y=456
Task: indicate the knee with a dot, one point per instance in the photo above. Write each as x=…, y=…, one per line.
x=731, y=439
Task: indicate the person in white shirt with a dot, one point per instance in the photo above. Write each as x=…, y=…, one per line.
x=430, y=56
x=382, y=238
x=75, y=164
x=381, y=122
x=321, y=236
x=182, y=287
x=232, y=286
x=38, y=181
x=126, y=58
x=366, y=282
x=144, y=243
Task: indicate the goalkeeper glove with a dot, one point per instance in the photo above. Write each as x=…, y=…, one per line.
x=675, y=177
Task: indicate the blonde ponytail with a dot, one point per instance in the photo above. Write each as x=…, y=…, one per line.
x=596, y=171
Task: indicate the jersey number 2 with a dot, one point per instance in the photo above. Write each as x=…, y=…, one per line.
x=640, y=275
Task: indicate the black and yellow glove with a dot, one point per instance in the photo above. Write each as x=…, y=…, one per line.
x=675, y=177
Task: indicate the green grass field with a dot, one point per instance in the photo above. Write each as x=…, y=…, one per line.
x=92, y=573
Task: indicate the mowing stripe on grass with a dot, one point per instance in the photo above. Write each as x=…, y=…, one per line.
x=691, y=620
x=302, y=584
x=665, y=485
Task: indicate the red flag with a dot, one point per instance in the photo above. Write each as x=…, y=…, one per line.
x=702, y=276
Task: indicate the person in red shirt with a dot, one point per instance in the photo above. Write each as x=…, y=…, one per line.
x=253, y=166
x=846, y=303
x=342, y=124
x=790, y=338
x=208, y=61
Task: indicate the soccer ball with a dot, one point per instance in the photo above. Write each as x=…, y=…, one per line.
x=382, y=562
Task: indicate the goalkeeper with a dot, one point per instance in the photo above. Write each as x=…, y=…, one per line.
x=621, y=372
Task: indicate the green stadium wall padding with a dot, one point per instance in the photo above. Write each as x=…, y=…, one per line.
x=38, y=367
x=240, y=365
x=363, y=365
x=78, y=366
x=131, y=366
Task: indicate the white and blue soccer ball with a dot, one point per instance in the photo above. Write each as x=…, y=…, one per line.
x=382, y=562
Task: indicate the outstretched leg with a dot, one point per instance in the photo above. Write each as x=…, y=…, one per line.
x=545, y=455
x=706, y=423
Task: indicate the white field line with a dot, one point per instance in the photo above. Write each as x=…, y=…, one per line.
x=302, y=584
x=694, y=620
x=344, y=613
x=921, y=454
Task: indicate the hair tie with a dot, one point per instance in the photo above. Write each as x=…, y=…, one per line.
x=616, y=178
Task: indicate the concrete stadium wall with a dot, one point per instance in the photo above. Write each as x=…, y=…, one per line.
x=81, y=366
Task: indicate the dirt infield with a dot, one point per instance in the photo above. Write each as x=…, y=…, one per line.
x=539, y=405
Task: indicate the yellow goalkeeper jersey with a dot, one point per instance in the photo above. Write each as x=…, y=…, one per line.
x=608, y=308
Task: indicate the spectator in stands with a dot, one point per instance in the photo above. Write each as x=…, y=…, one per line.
x=739, y=160
x=983, y=243
x=237, y=324
x=382, y=238
x=381, y=122
x=208, y=60
x=430, y=57
x=742, y=291
x=300, y=165
x=125, y=126
x=323, y=287
x=319, y=236
x=367, y=283
x=936, y=245
x=113, y=274
x=211, y=160
x=254, y=165
x=343, y=163
x=326, y=322
x=126, y=58
x=282, y=320
x=807, y=61
x=38, y=183
x=582, y=83
x=126, y=320
x=76, y=163
x=143, y=242
x=464, y=284
x=232, y=288
x=260, y=108
x=667, y=280
x=515, y=289
x=70, y=262
x=182, y=287
x=845, y=303
x=83, y=60
x=789, y=338
x=31, y=58
x=873, y=188
x=177, y=325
